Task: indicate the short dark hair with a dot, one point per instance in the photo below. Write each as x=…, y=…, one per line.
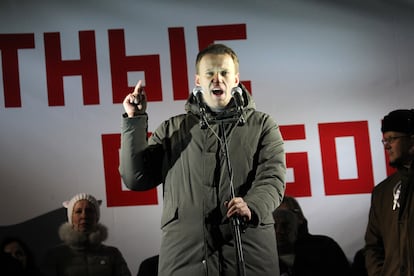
x=217, y=49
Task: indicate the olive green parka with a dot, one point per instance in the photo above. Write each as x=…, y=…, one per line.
x=190, y=161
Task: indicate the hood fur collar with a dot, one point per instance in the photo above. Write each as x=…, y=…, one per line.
x=77, y=239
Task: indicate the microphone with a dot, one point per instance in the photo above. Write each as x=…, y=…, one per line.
x=237, y=95
x=198, y=94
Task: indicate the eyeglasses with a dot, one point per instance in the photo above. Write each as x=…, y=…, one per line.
x=391, y=139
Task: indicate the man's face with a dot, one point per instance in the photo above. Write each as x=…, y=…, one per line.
x=217, y=76
x=399, y=147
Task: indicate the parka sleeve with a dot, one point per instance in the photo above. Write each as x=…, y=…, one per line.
x=139, y=163
x=268, y=186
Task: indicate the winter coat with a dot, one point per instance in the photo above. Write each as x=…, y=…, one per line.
x=320, y=255
x=389, y=238
x=316, y=255
x=83, y=255
x=190, y=161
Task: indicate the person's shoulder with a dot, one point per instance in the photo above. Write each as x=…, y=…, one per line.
x=261, y=117
x=57, y=247
x=321, y=238
x=181, y=117
x=259, y=113
x=325, y=243
x=110, y=249
x=176, y=118
x=387, y=184
x=175, y=122
x=151, y=260
x=149, y=266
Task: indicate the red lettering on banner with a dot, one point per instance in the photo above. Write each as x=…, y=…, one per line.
x=86, y=67
x=179, y=72
x=293, y=132
x=209, y=34
x=115, y=196
x=298, y=161
x=359, y=131
x=9, y=45
x=301, y=186
x=122, y=64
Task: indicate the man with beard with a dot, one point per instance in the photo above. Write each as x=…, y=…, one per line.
x=389, y=238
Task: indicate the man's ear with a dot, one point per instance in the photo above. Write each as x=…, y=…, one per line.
x=197, y=80
x=237, y=79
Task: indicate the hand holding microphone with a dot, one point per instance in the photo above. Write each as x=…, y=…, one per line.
x=135, y=103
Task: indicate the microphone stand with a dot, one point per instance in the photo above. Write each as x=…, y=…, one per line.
x=235, y=220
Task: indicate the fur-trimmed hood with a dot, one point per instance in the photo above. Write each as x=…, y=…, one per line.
x=84, y=254
x=192, y=106
x=77, y=239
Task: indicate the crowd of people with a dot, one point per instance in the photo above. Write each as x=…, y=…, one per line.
x=229, y=214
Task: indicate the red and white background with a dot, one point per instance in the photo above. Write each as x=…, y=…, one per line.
x=327, y=71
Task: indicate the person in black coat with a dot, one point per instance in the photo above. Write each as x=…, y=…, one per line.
x=315, y=254
x=16, y=248
x=10, y=266
x=149, y=266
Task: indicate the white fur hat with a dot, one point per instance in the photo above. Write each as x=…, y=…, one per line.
x=71, y=203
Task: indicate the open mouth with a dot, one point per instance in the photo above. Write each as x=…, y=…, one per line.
x=217, y=91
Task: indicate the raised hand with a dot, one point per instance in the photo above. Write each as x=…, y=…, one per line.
x=135, y=103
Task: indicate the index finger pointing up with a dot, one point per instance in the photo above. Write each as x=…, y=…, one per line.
x=136, y=89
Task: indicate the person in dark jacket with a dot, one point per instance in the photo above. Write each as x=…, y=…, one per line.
x=149, y=266
x=18, y=249
x=389, y=238
x=222, y=166
x=286, y=226
x=314, y=254
x=358, y=263
x=10, y=266
x=82, y=252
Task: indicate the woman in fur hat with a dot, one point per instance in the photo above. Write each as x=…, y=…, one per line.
x=82, y=251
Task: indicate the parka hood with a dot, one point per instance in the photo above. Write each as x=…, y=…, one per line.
x=77, y=239
x=191, y=106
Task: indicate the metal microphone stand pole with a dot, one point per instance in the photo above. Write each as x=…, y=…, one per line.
x=235, y=220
